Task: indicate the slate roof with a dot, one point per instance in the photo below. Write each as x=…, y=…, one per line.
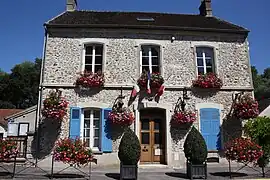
x=129, y=20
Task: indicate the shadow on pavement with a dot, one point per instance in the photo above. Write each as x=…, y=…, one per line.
x=113, y=175
x=227, y=174
x=5, y=174
x=65, y=175
x=178, y=175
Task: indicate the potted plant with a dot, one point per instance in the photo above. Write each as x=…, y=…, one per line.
x=208, y=80
x=156, y=80
x=8, y=149
x=54, y=106
x=129, y=154
x=195, y=150
x=245, y=107
x=90, y=80
x=123, y=118
x=183, y=118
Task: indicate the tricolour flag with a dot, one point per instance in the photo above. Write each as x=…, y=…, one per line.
x=161, y=90
x=148, y=83
x=135, y=91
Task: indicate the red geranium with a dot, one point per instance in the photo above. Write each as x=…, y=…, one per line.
x=8, y=149
x=72, y=152
x=246, y=107
x=243, y=150
x=156, y=80
x=54, y=106
x=209, y=80
x=125, y=117
x=89, y=79
x=183, y=117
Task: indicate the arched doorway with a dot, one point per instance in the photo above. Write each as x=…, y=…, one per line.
x=152, y=130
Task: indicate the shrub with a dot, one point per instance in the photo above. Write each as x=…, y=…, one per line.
x=195, y=148
x=129, y=149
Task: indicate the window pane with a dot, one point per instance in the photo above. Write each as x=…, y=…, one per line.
x=145, y=124
x=158, y=139
x=87, y=142
x=86, y=114
x=88, y=59
x=145, y=138
x=155, y=69
x=99, y=50
x=145, y=68
x=199, y=62
x=88, y=68
x=145, y=51
x=145, y=60
x=199, y=52
x=208, y=52
x=96, y=134
x=157, y=124
x=96, y=142
x=86, y=133
x=98, y=68
x=208, y=62
x=86, y=123
x=155, y=61
x=96, y=114
x=89, y=50
x=96, y=123
x=209, y=69
x=200, y=70
x=154, y=51
x=98, y=59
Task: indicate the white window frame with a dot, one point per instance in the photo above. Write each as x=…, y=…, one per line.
x=150, y=57
x=204, y=58
x=91, y=143
x=93, y=56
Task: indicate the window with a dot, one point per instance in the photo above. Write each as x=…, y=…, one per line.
x=93, y=58
x=91, y=128
x=150, y=59
x=205, y=60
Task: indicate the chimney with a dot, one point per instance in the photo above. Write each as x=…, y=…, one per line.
x=206, y=8
x=71, y=5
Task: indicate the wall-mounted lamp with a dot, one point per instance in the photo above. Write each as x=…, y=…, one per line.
x=172, y=38
x=181, y=101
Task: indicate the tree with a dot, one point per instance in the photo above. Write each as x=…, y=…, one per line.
x=261, y=83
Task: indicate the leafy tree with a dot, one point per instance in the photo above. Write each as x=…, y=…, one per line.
x=261, y=83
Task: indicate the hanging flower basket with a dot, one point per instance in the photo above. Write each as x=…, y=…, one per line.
x=209, y=80
x=54, y=106
x=243, y=150
x=156, y=80
x=123, y=118
x=72, y=152
x=90, y=80
x=8, y=149
x=183, y=117
x=245, y=107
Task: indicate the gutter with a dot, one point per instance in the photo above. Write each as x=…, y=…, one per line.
x=117, y=26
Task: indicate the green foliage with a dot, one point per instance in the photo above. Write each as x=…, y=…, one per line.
x=261, y=83
x=195, y=148
x=129, y=149
x=259, y=130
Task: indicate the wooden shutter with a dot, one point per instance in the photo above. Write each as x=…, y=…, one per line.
x=106, y=139
x=75, y=121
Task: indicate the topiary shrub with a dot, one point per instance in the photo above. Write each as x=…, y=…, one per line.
x=129, y=149
x=195, y=148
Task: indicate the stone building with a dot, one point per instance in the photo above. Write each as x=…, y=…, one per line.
x=122, y=45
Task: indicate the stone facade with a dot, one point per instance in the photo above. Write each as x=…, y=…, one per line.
x=63, y=59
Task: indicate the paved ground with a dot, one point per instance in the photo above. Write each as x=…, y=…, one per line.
x=214, y=173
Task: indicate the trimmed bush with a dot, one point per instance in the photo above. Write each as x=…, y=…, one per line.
x=129, y=149
x=195, y=148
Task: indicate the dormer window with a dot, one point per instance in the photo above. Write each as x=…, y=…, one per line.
x=150, y=59
x=93, y=58
x=205, y=60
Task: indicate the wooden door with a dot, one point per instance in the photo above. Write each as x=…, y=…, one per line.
x=152, y=139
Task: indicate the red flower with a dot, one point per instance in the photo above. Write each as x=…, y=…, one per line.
x=246, y=107
x=124, y=118
x=89, y=79
x=183, y=117
x=209, y=80
x=156, y=80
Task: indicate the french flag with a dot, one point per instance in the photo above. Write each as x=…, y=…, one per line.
x=161, y=90
x=135, y=91
x=148, y=83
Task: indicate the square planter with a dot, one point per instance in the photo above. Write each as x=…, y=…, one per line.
x=128, y=171
x=196, y=171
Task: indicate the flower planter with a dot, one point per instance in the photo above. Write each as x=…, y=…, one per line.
x=196, y=171
x=208, y=81
x=128, y=171
x=89, y=80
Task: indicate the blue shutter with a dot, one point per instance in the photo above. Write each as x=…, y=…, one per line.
x=106, y=140
x=75, y=121
x=210, y=127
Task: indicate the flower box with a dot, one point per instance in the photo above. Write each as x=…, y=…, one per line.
x=128, y=171
x=209, y=80
x=54, y=106
x=156, y=80
x=90, y=80
x=246, y=107
x=183, y=118
x=196, y=170
x=123, y=118
x=8, y=149
x=72, y=152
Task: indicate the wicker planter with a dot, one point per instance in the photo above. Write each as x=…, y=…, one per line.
x=196, y=171
x=128, y=171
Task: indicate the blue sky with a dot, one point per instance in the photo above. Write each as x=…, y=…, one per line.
x=21, y=32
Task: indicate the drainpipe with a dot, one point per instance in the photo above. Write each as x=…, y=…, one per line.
x=38, y=112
